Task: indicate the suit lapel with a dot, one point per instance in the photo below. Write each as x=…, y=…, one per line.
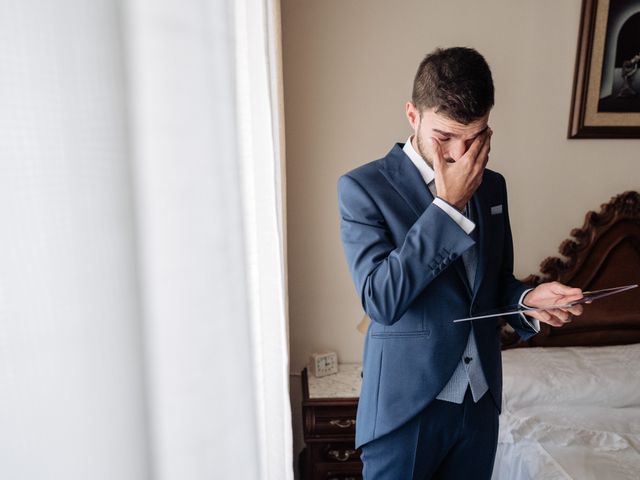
x=480, y=202
x=405, y=178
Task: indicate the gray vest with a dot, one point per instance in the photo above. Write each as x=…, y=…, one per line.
x=469, y=370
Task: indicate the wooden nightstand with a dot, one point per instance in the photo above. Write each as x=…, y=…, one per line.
x=329, y=423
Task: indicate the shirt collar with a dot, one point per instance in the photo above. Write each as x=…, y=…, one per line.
x=423, y=167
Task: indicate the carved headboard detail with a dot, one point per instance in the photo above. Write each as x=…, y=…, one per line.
x=604, y=253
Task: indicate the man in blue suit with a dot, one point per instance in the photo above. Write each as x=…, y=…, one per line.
x=426, y=234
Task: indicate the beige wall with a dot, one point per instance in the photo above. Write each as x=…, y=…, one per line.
x=348, y=68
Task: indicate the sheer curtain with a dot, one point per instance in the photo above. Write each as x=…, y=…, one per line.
x=142, y=299
x=206, y=124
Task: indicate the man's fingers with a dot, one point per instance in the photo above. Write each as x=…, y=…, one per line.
x=570, y=293
x=483, y=156
x=436, y=154
x=546, y=317
x=476, y=146
x=553, y=319
x=561, y=314
x=557, y=317
x=575, y=310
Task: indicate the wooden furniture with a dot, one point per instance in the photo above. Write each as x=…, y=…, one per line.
x=329, y=423
x=604, y=253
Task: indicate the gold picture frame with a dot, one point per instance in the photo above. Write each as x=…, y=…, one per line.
x=606, y=88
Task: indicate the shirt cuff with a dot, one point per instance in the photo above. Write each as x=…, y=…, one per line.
x=530, y=321
x=463, y=222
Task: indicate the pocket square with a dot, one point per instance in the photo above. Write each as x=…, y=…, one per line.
x=496, y=209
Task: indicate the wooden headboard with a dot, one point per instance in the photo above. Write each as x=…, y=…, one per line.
x=604, y=253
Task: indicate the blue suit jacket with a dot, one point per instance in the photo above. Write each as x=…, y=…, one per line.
x=404, y=255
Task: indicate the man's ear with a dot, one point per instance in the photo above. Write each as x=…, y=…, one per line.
x=412, y=115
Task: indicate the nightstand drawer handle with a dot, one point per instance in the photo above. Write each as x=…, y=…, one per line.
x=343, y=423
x=341, y=457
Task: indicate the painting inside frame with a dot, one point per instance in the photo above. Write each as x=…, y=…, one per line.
x=606, y=95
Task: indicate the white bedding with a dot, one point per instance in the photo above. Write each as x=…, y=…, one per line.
x=570, y=413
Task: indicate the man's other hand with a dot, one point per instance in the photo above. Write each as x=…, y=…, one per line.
x=549, y=294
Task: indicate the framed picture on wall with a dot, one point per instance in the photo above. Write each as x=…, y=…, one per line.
x=606, y=85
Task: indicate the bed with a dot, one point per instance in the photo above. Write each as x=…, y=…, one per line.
x=571, y=395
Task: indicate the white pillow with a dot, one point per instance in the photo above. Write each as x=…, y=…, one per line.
x=598, y=376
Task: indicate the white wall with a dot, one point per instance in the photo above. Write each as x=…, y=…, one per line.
x=348, y=69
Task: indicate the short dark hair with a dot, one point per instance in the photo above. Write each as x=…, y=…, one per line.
x=457, y=82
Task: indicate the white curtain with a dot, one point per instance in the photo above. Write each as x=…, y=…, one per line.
x=72, y=403
x=142, y=300
x=261, y=136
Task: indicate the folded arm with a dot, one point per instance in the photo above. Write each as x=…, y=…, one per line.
x=389, y=277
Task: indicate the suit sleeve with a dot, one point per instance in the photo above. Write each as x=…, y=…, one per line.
x=389, y=277
x=511, y=288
